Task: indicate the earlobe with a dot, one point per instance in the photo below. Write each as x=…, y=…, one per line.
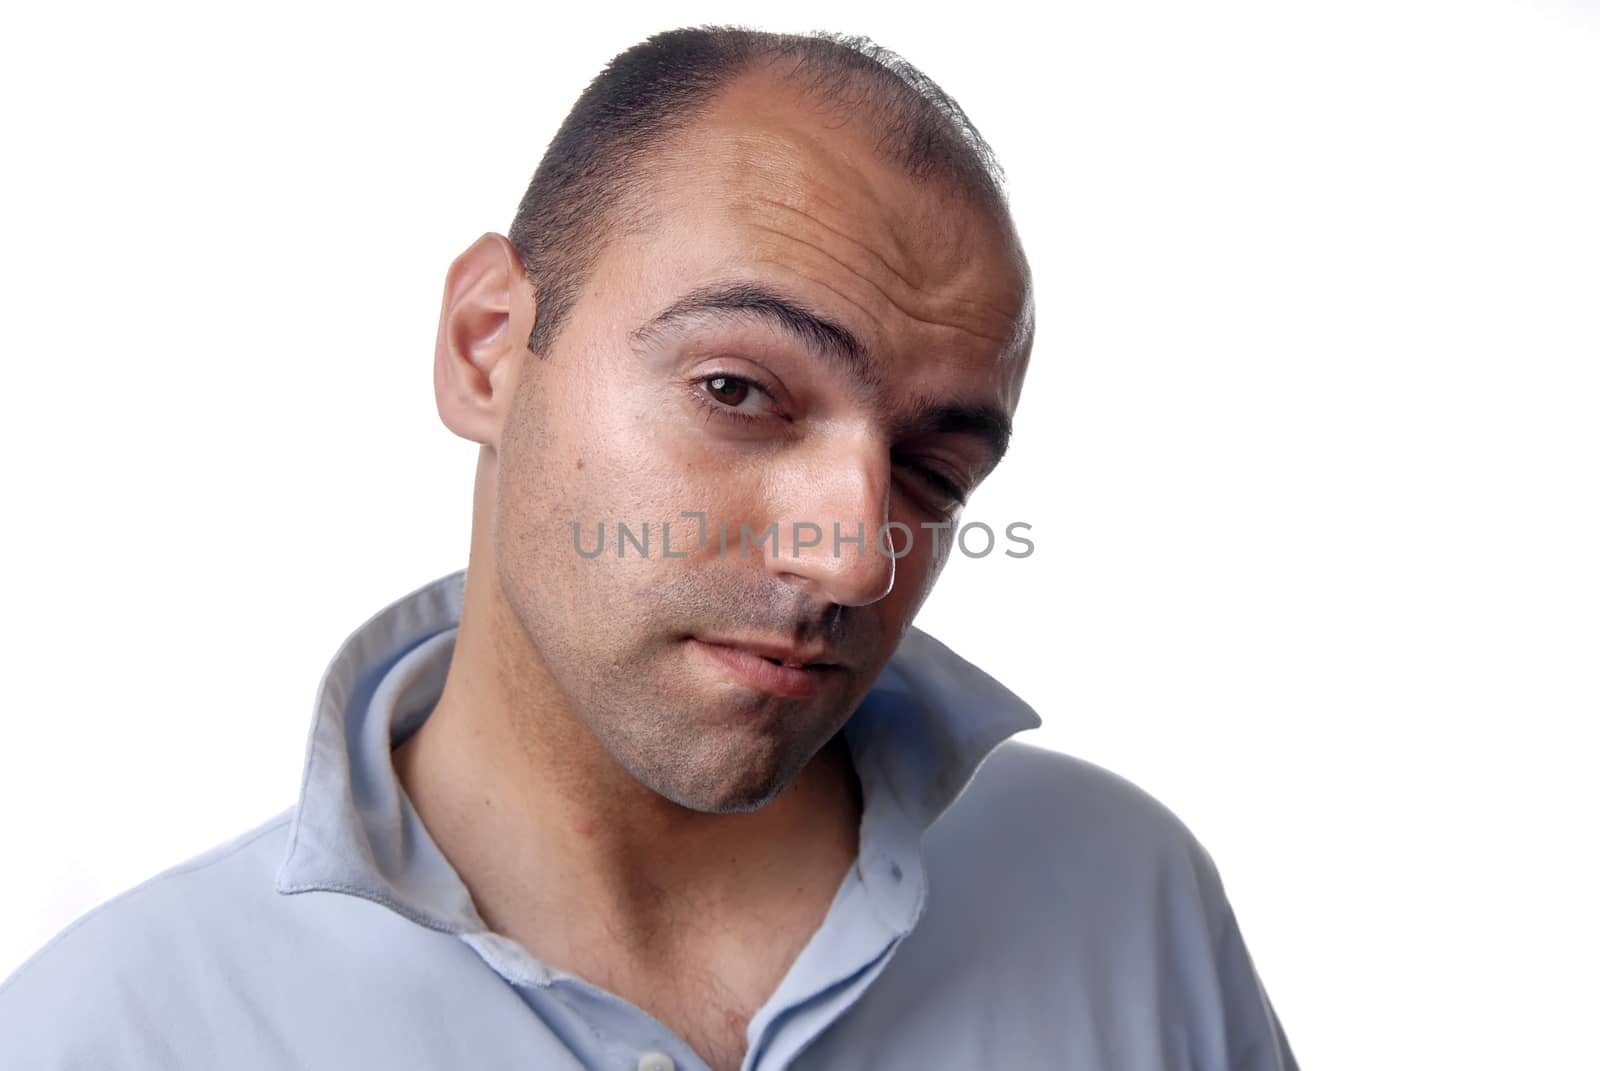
x=485, y=316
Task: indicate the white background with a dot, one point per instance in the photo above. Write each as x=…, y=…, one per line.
x=1309, y=441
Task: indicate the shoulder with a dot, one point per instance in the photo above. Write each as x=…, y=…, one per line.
x=150, y=944
x=1050, y=794
x=1066, y=826
x=1050, y=859
x=180, y=901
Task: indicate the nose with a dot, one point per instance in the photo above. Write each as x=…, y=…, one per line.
x=832, y=507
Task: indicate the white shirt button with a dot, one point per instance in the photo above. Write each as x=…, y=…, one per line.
x=656, y=1061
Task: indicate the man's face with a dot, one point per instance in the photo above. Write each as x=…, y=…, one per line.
x=754, y=418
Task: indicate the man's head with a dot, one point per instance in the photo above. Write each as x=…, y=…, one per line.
x=765, y=279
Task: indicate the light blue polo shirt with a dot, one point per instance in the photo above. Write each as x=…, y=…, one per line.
x=1011, y=907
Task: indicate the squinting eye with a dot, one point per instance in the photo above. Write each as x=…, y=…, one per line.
x=937, y=492
x=947, y=496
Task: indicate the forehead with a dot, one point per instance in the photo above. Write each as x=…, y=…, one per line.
x=771, y=188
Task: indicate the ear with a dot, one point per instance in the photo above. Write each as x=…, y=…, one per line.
x=484, y=322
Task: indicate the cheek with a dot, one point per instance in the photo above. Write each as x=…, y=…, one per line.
x=916, y=573
x=668, y=464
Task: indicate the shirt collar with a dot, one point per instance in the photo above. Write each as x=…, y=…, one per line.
x=917, y=739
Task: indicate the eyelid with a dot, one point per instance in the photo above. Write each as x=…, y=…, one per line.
x=935, y=466
x=750, y=381
x=735, y=366
x=733, y=415
x=945, y=484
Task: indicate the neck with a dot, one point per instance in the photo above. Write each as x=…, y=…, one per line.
x=563, y=851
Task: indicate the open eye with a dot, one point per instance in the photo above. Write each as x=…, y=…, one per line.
x=734, y=397
x=729, y=390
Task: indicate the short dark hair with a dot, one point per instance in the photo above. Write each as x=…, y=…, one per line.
x=580, y=193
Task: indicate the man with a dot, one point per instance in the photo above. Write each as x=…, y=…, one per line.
x=703, y=798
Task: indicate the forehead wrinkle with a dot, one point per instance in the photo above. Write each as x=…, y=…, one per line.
x=785, y=206
x=963, y=303
x=998, y=339
x=899, y=276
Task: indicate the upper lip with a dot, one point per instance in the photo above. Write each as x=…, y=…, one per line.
x=787, y=653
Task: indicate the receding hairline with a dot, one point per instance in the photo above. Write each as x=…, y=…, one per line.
x=637, y=211
x=647, y=203
x=596, y=181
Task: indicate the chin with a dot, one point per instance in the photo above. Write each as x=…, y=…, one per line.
x=726, y=787
x=713, y=796
x=743, y=802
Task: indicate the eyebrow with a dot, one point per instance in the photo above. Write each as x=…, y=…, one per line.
x=829, y=340
x=984, y=422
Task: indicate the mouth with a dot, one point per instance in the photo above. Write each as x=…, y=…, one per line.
x=786, y=675
x=791, y=663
